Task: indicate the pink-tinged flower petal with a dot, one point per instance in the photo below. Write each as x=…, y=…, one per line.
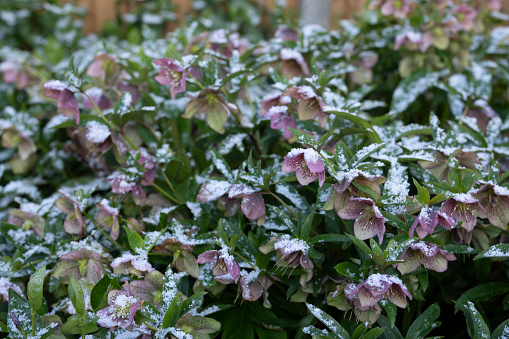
x=313, y=161
x=436, y=263
x=53, y=88
x=251, y=291
x=69, y=105
x=233, y=268
x=206, y=257
x=306, y=262
x=411, y=262
x=240, y=191
x=253, y=206
x=398, y=297
x=74, y=224
x=368, y=225
x=354, y=208
x=292, y=162
x=113, y=294
x=305, y=176
x=139, y=195
x=366, y=298
x=98, y=97
x=465, y=211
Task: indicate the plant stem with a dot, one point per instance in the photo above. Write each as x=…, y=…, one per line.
x=151, y=327
x=196, y=80
x=162, y=191
x=167, y=181
x=242, y=257
x=98, y=111
x=25, y=266
x=33, y=324
x=284, y=204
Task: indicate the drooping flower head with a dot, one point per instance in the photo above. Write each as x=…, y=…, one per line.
x=252, y=205
x=131, y=264
x=412, y=41
x=98, y=97
x=74, y=222
x=12, y=137
x=223, y=263
x=120, y=311
x=465, y=208
x=368, y=218
x=430, y=255
x=67, y=102
x=427, y=220
x=397, y=8
x=121, y=185
x=13, y=72
x=183, y=258
x=275, y=98
x=27, y=221
x=294, y=64
x=108, y=218
x=106, y=68
x=381, y=286
x=150, y=289
x=306, y=164
x=281, y=118
x=83, y=264
x=171, y=74
x=465, y=16
x=344, y=300
x=310, y=105
x=495, y=199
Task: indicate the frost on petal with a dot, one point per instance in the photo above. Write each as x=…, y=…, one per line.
x=68, y=104
x=411, y=262
x=366, y=298
x=292, y=162
x=208, y=256
x=253, y=206
x=354, y=208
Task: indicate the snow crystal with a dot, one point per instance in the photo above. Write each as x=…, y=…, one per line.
x=291, y=245
x=214, y=189
x=97, y=133
x=310, y=155
x=240, y=190
x=465, y=198
x=501, y=190
x=377, y=281
x=105, y=204
x=396, y=187
x=55, y=85
x=195, y=208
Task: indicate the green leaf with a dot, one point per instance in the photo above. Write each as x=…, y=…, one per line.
x=501, y=331
x=99, y=293
x=360, y=244
x=328, y=321
x=395, y=221
x=422, y=192
x=304, y=138
x=482, y=292
x=476, y=326
x=221, y=164
x=323, y=238
x=499, y=251
x=135, y=240
x=194, y=301
x=391, y=310
x=374, y=333
x=360, y=330
x=173, y=312
x=306, y=227
x=123, y=104
x=362, y=154
x=423, y=280
x=425, y=322
x=236, y=323
x=35, y=289
x=350, y=270
x=76, y=295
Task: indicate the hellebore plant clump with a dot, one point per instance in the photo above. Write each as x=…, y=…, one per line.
x=214, y=183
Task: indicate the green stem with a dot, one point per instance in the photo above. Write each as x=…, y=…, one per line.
x=98, y=110
x=33, y=324
x=168, y=181
x=196, y=80
x=242, y=257
x=25, y=266
x=162, y=191
x=284, y=204
x=102, y=231
x=151, y=327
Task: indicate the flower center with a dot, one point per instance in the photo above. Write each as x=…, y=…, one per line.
x=122, y=305
x=175, y=77
x=397, y=4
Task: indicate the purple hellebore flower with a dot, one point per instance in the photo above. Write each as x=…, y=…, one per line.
x=368, y=218
x=74, y=222
x=171, y=74
x=67, y=102
x=427, y=220
x=344, y=301
x=343, y=191
x=195, y=326
x=149, y=289
x=5, y=285
x=253, y=205
x=281, y=118
x=440, y=167
x=285, y=33
x=465, y=16
x=82, y=263
x=13, y=73
x=483, y=113
x=431, y=256
x=132, y=89
x=121, y=186
x=380, y=286
x=120, y=311
x=107, y=217
x=397, y=8
x=412, y=40
x=310, y=105
x=464, y=207
x=183, y=258
x=148, y=163
x=253, y=286
x=306, y=164
x=98, y=97
x=27, y=221
x=131, y=264
x=223, y=263
x=495, y=199
x=293, y=63
x=106, y=68
x=494, y=5
x=275, y=98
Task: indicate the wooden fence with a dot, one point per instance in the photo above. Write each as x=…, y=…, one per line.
x=103, y=10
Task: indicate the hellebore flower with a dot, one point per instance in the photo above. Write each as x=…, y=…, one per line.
x=98, y=97
x=343, y=300
x=223, y=263
x=13, y=73
x=285, y=33
x=281, y=118
x=253, y=205
x=106, y=69
x=171, y=74
x=96, y=132
x=483, y=113
x=5, y=285
x=440, y=168
x=465, y=16
x=107, y=217
x=253, y=286
x=397, y=8
x=83, y=263
x=381, y=286
x=368, y=219
x=183, y=258
x=67, y=102
x=275, y=98
x=495, y=199
x=131, y=264
x=464, y=207
x=74, y=222
x=121, y=186
x=149, y=289
x=494, y=5
x=197, y=326
x=412, y=41
x=306, y=164
x=343, y=191
x=310, y=105
x=27, y=221
x=294, y=64
x=148, y=164
x=431, y=256
x=364, y=73
x=427, y=220
x=120, y=311
x=210, y=104
x=12, y=137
